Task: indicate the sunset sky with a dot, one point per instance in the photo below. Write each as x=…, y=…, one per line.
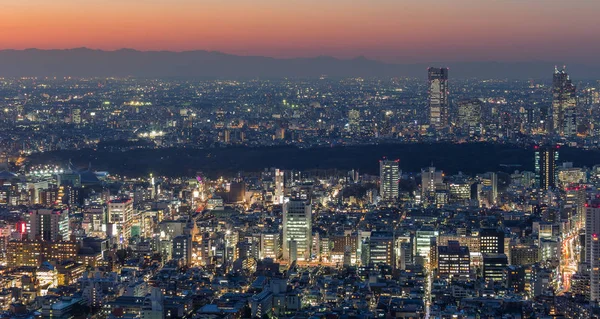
x=389, y=30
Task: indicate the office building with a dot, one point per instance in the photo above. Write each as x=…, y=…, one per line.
x=594, y=243
x=459, y=192
x=389, y=175
x=431, y=180
x=297, y=229
x=346, y=247
x=269, y=245
x=524, y=254
x=546, y=159
x=575, y=198
x=592, y=246
x=453, y=260
x=469, y=116
x=491, y=241
x=517, y=279
x=381, y=250
x=182, y=249
x=489, y=186
x=423, y=242
x=438, y=97
x=120, y=214
x=354, y=121
x=76, y=116
x=278, y=178
x=49, y=224
x=563, y=113
x=494, y=267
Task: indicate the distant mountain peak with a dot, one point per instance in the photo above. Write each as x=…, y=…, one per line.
x=86, y=62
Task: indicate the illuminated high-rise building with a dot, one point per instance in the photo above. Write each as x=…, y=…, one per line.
x=563, y=113
x=431, y=180
x=49, y=224
x=423, y=238
x=592, y=247
x=274, y=182
x=381, y=248
x=120, y=214
x=491, y=241
x=269, y=245
x=469, y=116
x=297, y=230
x=438, y=97
x=389, y=175
x=354, y=121
x=489, y=182
x=278, y=196
x=76, y=116
x=546, y=173
x=453, y=260
x=494, y=267
x=575, y=198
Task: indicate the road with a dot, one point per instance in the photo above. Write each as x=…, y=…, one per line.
x=568, y=259
x=428, y=285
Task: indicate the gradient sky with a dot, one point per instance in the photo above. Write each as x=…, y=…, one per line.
x=390, y=30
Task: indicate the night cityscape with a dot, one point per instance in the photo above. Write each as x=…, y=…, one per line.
x=289, y=178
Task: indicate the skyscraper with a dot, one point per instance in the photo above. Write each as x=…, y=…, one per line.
x=278, y=196
x=297, y=229
x=438, y=97
x=431, y=180
x=545, y=167
x=120, y=213
x=563, y=113
x=592, y=246
x=354, y=121
x=489, y=183
x=389, y=175
x=469, y=116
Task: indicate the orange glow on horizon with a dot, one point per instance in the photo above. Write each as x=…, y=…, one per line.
x=385, y=29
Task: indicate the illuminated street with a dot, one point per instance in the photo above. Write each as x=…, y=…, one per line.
x=569, y=260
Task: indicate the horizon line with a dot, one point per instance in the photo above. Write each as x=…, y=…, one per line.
x=361, y=56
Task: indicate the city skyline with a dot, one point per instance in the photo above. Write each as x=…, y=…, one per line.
x=185, y=159
x=390, y=31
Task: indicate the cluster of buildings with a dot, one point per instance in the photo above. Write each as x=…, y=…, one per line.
x=283, y=243
x=41, y=114
x=304, y=244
